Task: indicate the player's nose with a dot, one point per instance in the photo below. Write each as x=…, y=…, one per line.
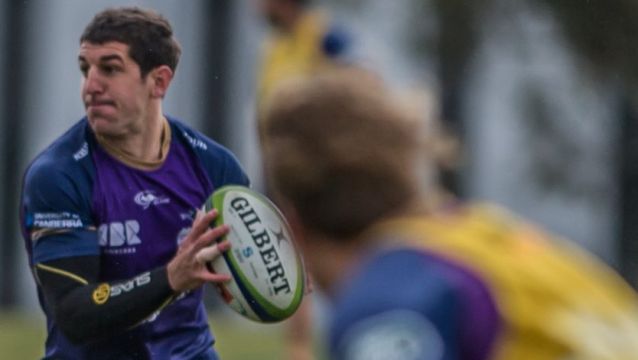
x=92, y=83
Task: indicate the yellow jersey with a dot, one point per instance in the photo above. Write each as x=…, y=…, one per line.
x=555, y=300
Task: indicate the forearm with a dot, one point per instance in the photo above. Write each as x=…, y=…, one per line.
x=86, y=310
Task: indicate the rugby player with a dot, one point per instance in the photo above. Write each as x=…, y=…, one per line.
x=411, y=279
x=108, y=209
x=302, y=40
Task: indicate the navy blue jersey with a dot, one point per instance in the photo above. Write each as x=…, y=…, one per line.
x=408, y=304
x=78, y=200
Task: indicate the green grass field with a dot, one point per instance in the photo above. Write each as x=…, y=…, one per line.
x=22, y=337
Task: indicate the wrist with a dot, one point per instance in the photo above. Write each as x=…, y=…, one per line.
x=167, y=275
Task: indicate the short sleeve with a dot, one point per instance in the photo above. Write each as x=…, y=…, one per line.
x=56, y=212
x=221, y=165
x=233, y=174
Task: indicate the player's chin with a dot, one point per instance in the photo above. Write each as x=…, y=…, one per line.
x=102, y=125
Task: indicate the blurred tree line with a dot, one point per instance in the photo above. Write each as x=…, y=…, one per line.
x=603, y=33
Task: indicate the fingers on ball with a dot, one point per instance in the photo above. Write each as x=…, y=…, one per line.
x=210, y=253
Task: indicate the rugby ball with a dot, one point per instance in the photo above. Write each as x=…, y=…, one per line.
x=267, y=272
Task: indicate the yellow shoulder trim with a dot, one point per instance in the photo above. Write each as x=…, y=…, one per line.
x=63, y=273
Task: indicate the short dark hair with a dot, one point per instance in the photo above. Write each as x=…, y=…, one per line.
x=148, y=34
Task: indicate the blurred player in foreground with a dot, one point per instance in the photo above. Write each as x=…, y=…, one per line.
x=410, y=279
x=108, y=208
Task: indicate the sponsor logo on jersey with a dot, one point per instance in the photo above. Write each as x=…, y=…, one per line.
x=266, y=248
x=188, y=215
x=119, y=238
x=195, y=142
x=147, y=198
x=61, y=220
x=83, y=152
x=101, y=294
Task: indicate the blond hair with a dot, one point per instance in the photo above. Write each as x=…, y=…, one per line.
x=340, y=151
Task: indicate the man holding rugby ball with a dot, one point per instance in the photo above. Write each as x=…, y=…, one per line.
x=108, y=209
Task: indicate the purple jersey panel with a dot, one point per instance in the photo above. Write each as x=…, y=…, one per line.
x=143, y=215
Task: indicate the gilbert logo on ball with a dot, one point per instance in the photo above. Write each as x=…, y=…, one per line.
x=267, y=272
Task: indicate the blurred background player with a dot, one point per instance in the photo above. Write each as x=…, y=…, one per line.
x=409, y=279
x=108, y=208
x=302, y=41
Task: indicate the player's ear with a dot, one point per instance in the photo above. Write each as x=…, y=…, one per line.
x=160, y=78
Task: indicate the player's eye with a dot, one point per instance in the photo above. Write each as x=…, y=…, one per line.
x=109, y=69
x=84, y=69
